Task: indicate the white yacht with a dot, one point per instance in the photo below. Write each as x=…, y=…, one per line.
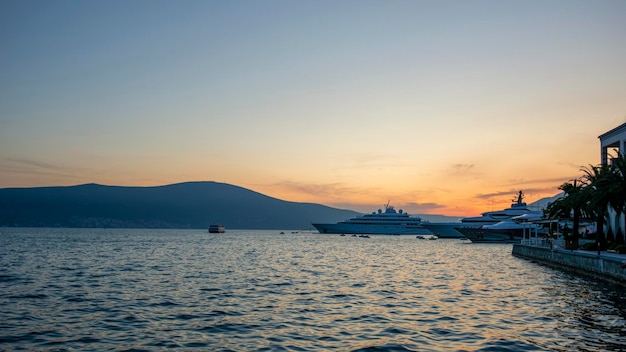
x=505, y=225
x=387, y=222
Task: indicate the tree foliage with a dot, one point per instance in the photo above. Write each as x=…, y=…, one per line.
x=591, y=195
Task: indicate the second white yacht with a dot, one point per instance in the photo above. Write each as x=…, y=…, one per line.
x=507, y=225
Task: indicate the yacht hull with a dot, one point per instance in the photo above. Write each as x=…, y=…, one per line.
x=371, y=229
x=443, y=230
x=480, y=235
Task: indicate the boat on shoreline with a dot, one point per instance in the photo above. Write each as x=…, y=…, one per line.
x=387, y=222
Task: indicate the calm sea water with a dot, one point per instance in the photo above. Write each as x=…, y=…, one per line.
x=150, y=290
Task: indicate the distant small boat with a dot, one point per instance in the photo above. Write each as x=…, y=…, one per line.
x=217, y=229
x=420, y=237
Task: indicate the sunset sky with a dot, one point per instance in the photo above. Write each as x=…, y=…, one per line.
x=440, y=107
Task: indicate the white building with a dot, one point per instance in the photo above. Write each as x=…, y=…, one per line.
x=612, y=144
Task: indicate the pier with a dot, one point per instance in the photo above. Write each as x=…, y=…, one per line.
x=604, y=265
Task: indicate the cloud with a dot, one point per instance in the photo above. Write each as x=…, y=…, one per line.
x=535, y=187
x=335, y=195
x=33, y=163
x=374, y=161
x=570, y=165
x=411, y=208
x=555, y=180
x=462, y=168
x=422, y=207
x=332, y=190
x=366, y=158
x=25, y=166
x=511, y=193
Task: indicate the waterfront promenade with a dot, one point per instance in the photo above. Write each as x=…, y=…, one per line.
x=606, y=265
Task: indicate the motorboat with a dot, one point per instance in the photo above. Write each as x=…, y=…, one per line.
x=382, y=222
x=217, y=229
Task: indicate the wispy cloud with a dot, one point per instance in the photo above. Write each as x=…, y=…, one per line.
x=332, y=190
x=33, y=163
x=422, y=207
x=359, y=161
x=25, y=167
x=537, y=181
x=462, y=169
x=570, y=165
x=340, y=191
x=412, y=208
x=540, y=187
x=335, y=195
x=512, y=193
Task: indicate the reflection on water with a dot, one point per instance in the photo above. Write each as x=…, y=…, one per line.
x=78, y=289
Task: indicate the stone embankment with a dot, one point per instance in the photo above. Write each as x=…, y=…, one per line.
x=608, y=266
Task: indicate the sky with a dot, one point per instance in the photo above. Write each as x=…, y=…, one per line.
x=437, y=107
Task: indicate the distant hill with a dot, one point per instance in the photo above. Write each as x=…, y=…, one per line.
x=183, y=205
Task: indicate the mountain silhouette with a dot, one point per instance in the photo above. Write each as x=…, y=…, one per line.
x=183, y=205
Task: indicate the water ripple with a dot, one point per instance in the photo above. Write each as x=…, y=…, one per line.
x=145, y=290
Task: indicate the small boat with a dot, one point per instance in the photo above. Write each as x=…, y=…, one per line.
x=420, y=237
x=217, y=229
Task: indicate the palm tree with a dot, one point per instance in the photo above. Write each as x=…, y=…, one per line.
x=571, y=205
x=598, y=180
x=601, y=186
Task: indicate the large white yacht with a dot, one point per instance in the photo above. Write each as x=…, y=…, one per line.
x=505, y=225
x=387, y=222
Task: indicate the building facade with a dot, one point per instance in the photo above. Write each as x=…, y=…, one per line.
x=612, y=144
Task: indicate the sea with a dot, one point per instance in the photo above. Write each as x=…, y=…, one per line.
x=190, y=290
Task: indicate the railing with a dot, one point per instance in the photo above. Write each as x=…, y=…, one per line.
x=543, y=243
x=550, y=243
x=531, y=238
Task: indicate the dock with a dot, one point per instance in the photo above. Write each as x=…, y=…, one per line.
x=605, y=265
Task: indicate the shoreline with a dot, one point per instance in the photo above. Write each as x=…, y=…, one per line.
x=607, y=266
